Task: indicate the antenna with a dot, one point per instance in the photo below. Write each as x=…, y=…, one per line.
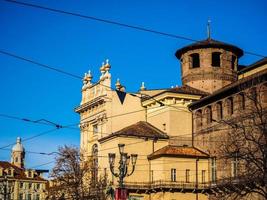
x=208, y=28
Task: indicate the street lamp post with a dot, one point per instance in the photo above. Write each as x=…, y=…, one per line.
x=121, y=192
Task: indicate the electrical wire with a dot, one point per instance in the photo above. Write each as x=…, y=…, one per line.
x=47, y=163
x=139, y=28
x=32, y=137
x=40, y=64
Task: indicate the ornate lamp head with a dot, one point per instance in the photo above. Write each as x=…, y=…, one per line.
x=111, y=159
x=121, y=148
x=134, y=158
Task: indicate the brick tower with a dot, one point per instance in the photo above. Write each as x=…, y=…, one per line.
x=209, y=65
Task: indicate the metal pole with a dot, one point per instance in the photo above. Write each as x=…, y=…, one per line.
x=197, y=178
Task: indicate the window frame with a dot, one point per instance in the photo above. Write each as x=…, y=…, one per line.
x=216, y=59
x=187, y=175
x=195, y=60
x=173, y=175
x=203, y=176
x=95, y=129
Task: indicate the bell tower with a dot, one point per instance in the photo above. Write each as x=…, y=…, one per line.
x=18, y=154
x=209, y=65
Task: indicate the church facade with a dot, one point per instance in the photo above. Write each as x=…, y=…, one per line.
x=169, y=129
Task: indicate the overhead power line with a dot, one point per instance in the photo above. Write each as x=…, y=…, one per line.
x=115, y=23
x=39, y=121
x=102, y=20
x=30, y=138
x=40, y=64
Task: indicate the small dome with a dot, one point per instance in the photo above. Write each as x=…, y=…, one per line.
x=18, y=146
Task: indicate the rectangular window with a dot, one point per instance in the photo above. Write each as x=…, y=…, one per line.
x=95, y=129
x=195, y=60
x=216, y=59
x=38, y=186
x=37, y=196
x=213, y=170
x=30, y=185
x=21, y=185
x=173, y=175
x=203, y=177
x=187, y=175
x=235, y=165
x=20, y=196
x=29, y=197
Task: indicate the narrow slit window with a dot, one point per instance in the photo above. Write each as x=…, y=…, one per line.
x=187, y=175
x=173, y=175
x=203, y=176
x=219, y=110
x=95, y=128
x=213, y=170
x=233, y=62
x=208, y=115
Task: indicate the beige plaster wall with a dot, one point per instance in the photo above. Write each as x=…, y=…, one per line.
x=132, y=146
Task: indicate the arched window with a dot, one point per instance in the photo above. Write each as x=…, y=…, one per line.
x=253, y=94
x=195, y=60
x=240, y=101
x=263, y=93
x=208, y=114
x=219, y=111
x=229, y=106
x=216, y=59
x=198, y=119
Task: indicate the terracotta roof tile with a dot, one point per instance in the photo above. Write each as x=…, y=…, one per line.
x=185, y=89
x=178, y=151
x=19, y=173
x=139, y=129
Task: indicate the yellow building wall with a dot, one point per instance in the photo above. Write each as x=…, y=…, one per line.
x=176, y=196
x=137, y=146
x=25, y=190
x=161, y=168
x=174, y=118
x=123, y=115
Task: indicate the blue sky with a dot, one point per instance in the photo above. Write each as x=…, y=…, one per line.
x=77, y=45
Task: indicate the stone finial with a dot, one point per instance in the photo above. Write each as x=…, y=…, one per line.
x=107, y=65
x=142, y=88
x=102, y=68
x=84, y=78
x=89, y=76
x=118, y=84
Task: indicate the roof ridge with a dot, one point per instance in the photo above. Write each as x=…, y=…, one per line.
x=155, y=128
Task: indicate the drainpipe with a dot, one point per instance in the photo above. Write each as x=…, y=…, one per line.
x=197, y=178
